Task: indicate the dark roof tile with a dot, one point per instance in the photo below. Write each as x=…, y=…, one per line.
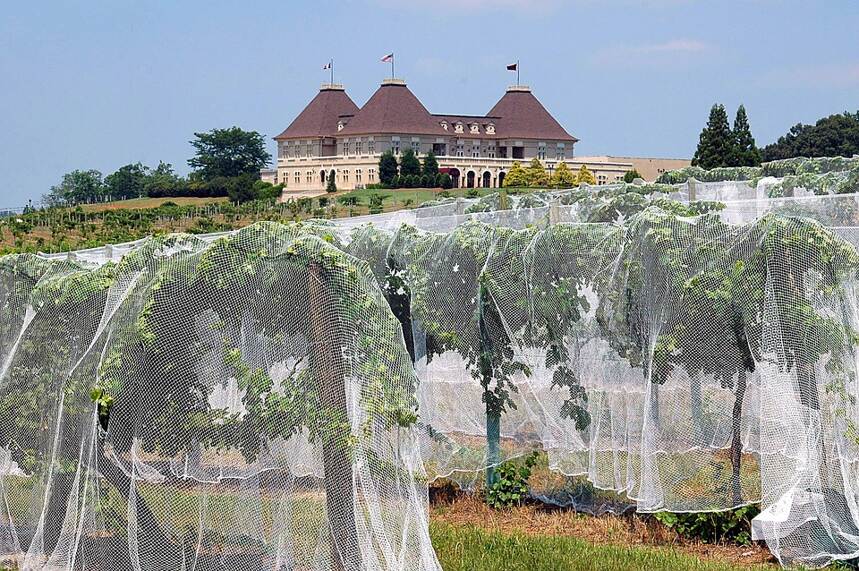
x=320, y=117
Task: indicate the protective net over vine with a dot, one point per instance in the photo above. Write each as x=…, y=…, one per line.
x=688, y=346
x=241, y=402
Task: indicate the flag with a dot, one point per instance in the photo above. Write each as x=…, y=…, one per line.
x=327, y=65
x=513, y=67
x=388, y=57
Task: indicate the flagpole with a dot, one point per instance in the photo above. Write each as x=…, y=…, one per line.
x=517, y=72
x=392, y=66
x=332, y=71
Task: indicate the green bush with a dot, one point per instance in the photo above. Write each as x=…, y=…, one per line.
x=511, y=486
x=713, y=527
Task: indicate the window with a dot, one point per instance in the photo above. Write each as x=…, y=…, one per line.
x=308, y=176
x=560, y=151
x=541, y=151
x=358, y=176
x=371, y=175
x=371, y=146
x=281, y=150
x=474, y=128
x=490, y=129
x=475, y=149
x=490, y=151
x=416, y=146
x=309, y=149
x=297, y=177
x=460, y=149
x=395, y=145
x=345, y=176
x=360, y=147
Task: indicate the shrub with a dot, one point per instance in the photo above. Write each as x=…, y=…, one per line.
x=713, y=527
x=511, y=486
x=444, y=181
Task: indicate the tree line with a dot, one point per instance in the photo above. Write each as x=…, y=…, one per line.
x=226, y=162
x=720, y=145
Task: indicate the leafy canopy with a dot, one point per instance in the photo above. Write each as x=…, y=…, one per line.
x=228, y=153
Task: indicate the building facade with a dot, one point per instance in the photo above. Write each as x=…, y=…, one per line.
x=334, y=134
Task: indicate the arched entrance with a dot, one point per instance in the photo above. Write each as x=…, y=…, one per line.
x=487, y=179
x=469, y=179
x=501, y=176
x=454, y=177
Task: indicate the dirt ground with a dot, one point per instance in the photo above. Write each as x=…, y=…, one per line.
x=607, y=529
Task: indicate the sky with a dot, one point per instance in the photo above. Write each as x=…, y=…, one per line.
x=102, y=83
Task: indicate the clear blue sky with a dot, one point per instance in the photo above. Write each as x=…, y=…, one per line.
x=101, y=83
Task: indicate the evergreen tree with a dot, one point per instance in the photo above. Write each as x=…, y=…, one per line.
x=430, y=168
x=409, y=164
x=387, y=168
x=563, y=177
x=516, y=176
x=536, y=174
x=746, y=152
x=444, y=181
x=331, y=185
x=585, y=176
x=716, y=146
x=631, y=176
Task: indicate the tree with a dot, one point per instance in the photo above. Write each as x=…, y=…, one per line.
x=128, y=181
x=536, y=173
x=631, y=176
x=430, y=166
x=516, y=176
x=716, y=146
x=241, y=188
x=77, y=187
x=331, y=184
x=835, y=135
x=228, y=152
x=409, y=164
x=387, y=168
x=563, y=177
x=444, y=181
x=585, y=176
x=746, y=152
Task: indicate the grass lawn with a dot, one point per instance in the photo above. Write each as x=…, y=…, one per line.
x=470, y=548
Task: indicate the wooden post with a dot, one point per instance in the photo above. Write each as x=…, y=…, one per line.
x=326, y=362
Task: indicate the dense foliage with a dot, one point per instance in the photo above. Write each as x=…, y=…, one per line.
x=228, y=153
x=832, y=136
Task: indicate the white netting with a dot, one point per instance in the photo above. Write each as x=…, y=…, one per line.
x=233, y=403
x=685, y=347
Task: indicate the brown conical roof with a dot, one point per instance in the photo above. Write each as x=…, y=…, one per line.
x=393, y=109
x=320, y=117
x=522, y=116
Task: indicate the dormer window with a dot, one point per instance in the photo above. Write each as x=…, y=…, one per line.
x=490, y=129
x=340, y=125
x=474, y=128
x=459, y=128
x=444, y=125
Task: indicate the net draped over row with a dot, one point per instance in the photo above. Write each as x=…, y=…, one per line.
x=685, y=347
x=243, y=402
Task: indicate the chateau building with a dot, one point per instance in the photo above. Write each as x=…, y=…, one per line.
x=334, y=134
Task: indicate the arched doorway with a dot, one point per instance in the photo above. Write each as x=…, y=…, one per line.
x=487, y=179
x=469, y=179
x=454, y=177
x=501, y=176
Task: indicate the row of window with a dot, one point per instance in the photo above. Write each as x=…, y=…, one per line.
x=341, y=174
x=300, y=149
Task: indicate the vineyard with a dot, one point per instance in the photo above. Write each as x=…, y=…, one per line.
x=280, y=396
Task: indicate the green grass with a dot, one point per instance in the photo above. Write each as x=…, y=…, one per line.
x=469, y=548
